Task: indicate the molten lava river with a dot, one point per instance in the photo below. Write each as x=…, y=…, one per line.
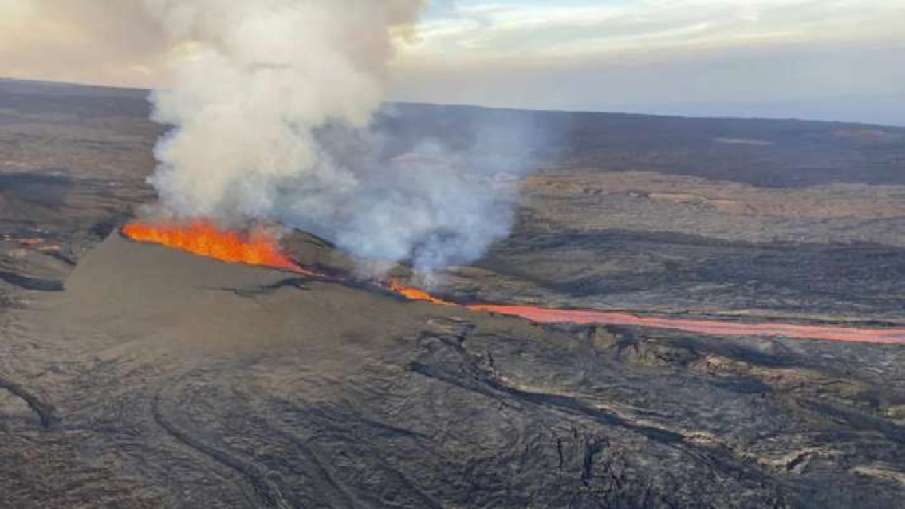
x=258, y=247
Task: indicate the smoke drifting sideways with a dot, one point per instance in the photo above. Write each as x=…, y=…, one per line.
x=277, y=115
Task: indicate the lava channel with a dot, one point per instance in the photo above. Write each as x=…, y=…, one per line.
x=700, y=326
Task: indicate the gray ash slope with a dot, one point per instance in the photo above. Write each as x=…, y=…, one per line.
x=135, y=376
x=161, y=378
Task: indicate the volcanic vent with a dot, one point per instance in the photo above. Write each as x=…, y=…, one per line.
x=142, y=288
x=204, y=238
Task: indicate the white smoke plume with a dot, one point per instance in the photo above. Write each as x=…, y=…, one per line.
x=272, y=108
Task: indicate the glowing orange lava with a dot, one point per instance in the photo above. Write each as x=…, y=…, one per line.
x=892, y=335
x=202, y=237
x=414, y=293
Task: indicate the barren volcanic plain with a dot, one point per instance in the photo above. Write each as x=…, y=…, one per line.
x=133, y=375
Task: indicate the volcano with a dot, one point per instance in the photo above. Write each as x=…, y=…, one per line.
x=257, y=248
x=667, y=344
x=229, y=370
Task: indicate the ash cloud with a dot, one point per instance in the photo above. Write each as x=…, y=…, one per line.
x=276, y=109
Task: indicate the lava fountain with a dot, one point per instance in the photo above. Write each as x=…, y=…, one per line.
x=204, y=238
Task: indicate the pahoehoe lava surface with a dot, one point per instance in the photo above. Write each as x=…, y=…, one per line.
x=132, y=375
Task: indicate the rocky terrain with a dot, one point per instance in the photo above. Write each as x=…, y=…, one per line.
x=133, y=375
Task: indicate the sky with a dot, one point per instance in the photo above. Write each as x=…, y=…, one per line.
x=820, y=59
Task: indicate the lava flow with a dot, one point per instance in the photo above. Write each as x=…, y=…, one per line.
x=257, y=247
x=202, y=237
x=415, y=294
x=539, y=314
x=708, y=327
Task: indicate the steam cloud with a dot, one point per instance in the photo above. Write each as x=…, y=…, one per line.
x=273, y=106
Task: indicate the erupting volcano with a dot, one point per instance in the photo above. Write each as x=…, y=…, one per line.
x=204, y=238
x=258, y=247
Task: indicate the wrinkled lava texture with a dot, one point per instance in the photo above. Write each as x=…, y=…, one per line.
x=132, y=375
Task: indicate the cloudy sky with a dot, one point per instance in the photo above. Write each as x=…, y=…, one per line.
x=826, y=59
x=830, y=59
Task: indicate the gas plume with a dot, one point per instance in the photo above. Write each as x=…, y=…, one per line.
x=273, y=112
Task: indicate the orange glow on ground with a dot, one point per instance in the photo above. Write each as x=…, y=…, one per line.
x=710, y=327
x=415, y=294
